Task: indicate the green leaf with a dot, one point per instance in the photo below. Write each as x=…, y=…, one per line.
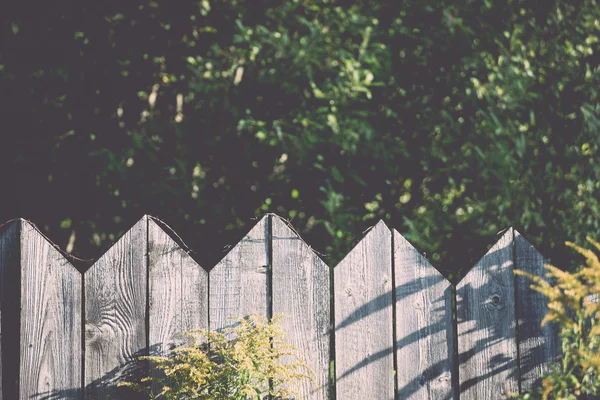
x=337, y=175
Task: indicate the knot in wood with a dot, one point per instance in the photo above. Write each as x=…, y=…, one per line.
x=92, y=333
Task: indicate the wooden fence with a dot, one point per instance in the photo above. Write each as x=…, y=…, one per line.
x=67, y=335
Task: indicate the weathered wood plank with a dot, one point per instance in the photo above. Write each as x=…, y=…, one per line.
x=538, y=346
x=10, y=304
x=115, y=311
x=51, y=300
x=178, y=293
x=239, y=282
x=301, y=291
x=363, y=319
x=424, y=334
x=486, y=326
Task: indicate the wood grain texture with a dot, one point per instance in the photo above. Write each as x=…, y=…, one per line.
x=10, y=304
x=178, y=293
x=115, y=311
x=538, y=346
x=363, y=319
x=51, y=305
x=486, y=326
x=239, y=283
x=424, y=334
x=301, y=291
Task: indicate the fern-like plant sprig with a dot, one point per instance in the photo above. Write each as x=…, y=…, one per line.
x=249, y=361
x=572, y=304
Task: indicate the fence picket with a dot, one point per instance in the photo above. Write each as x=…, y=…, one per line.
x=178, y=294
x=363, y=319
x=424, y=334
x=538, y=345
x=486, y=325
x=301, y=291
x=115, y=311
x=10, y=303
x=39, y=282
x=51, y=313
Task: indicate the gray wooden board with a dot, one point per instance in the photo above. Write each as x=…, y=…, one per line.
x=178, y=294
x=50, y=320
x=239, y=283
x=301, y=292
x=10, y=299
x=363, y=319
x=115, y=311
x=538, y=346
x=486, y=326
x=424, y=334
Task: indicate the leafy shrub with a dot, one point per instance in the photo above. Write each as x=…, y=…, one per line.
x=573, y=304
x=255, y=364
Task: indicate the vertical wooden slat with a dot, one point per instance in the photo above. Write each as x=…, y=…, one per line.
x=178, y=293
x=301, y=291
x=10, y=304
x=115, y=311
x=486, y=326
x=239, y=282
x=538, y=346
x=363, y=319
x=424, y=334
x=50, y=320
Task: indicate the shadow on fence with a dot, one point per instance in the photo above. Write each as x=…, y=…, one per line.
x=107, y=386
x=461, y=340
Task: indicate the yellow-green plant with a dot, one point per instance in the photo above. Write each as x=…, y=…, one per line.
x=573, y=304
x=255, y=363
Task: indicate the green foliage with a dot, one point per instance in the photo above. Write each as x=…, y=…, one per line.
x=451, y=120
x=573, y=304
x=255, y=364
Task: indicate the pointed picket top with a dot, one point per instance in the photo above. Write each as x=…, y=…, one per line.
x=41, y=299
x=363, y=318
x=238, y=284
x=483, y=266
x=115, y=309
x=377, y=234
x=486, y=319
x=301, y=293
x=424, y=334
x=538, y=345
x=380, y=228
